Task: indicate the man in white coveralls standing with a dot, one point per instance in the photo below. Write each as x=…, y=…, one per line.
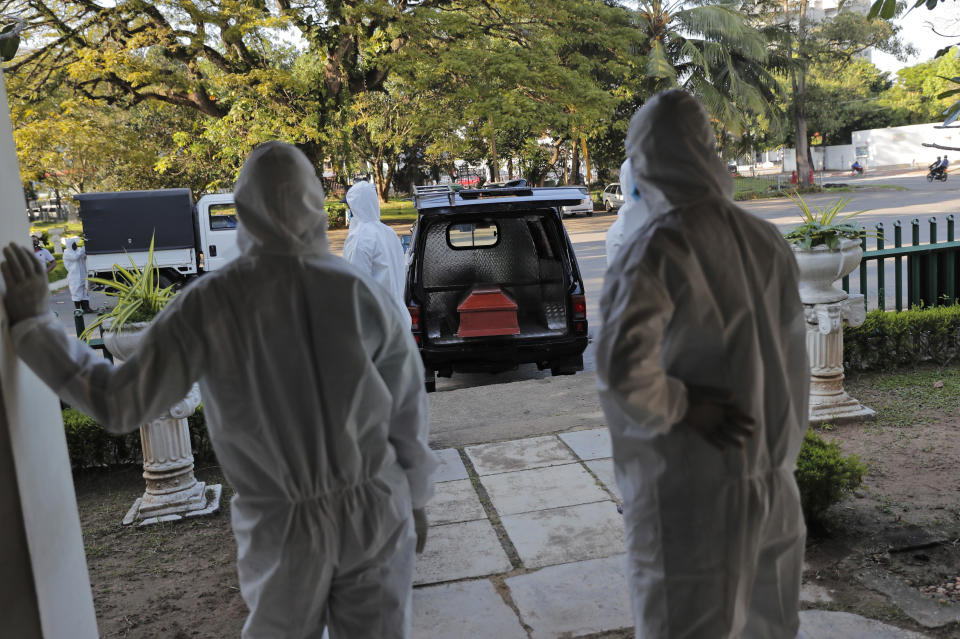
x=703, y=379
x=314, y=398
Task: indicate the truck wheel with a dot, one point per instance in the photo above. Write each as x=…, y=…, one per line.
x=164, y=281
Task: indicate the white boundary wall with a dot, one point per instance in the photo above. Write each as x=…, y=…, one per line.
x=894, y=146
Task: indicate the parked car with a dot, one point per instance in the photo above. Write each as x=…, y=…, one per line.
x=612, y=197
x=586, y=203
x=493, y=282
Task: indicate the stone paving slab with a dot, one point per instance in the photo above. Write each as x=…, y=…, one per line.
x=454, y=501
x=463, y=610
x=574, y=599
x=562, y=535
x=451, y=467
x=589, y=444
x=828, y=624
x=519, y=454
x=603, y=469
x=926, y=611
x=460, y=551
x=814, y=594
x=541, y=488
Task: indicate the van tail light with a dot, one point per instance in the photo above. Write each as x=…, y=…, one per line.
x=415, y=323
x=414, y=318
x=579, y=313
x=579, y=307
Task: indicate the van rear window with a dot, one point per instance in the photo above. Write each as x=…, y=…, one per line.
x=469, y=235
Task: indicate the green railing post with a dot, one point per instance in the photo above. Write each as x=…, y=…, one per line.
x=951, y=265
x=863, y=272
x=881, y=283
x=914, y=265
x=933, y=285
x=898, y=264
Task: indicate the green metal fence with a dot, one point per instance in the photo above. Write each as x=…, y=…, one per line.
x=931, y=270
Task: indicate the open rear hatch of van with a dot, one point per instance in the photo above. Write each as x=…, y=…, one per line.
x=521, y=254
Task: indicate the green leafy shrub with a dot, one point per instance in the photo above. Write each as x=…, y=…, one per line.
x=825, y=476
x=90, y=446
x=336, y=214
x=887, y=340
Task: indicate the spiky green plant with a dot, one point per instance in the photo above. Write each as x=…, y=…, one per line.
x=821, y=226
x=139, y=295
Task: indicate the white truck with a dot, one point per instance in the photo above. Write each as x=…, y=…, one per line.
x=188, y=239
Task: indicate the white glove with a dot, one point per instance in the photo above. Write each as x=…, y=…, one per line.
x=28, y=292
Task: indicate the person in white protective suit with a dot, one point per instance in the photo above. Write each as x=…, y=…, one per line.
x=313, y=397
x=75, y=261
x=703, y=379
x=372, y=246
x=631, y=215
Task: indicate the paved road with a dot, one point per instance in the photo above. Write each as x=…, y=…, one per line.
x=912, y=197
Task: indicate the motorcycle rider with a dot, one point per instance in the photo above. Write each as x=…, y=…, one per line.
x=935, y=165
x=856, y=167
x=944, y=163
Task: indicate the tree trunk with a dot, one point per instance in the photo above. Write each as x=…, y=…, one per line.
x=586, y=159
x=575, y=162
x=494, y=160
x=799, y=81
x=379, y=179
x=553, y=162
x=510, y=168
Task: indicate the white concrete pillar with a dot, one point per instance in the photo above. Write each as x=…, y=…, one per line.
x=45, y=587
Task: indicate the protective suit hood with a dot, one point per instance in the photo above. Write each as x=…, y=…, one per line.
x=364, y=202
x=672, y=148
x=279, y=203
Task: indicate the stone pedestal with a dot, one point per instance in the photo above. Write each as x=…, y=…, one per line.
x=829, y=402
x=173, y=491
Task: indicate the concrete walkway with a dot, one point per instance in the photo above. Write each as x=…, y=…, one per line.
x=526, y=542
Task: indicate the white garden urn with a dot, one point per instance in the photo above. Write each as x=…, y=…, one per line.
x=826, y=308
x=172, y=491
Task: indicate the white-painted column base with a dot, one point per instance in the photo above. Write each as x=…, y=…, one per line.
x=829, y=402
x=173, y=491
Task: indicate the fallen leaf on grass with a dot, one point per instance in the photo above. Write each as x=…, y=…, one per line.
x=938, y=384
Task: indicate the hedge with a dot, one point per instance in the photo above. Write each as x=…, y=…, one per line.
x=336, y=215
x=888, y=340
x=90, y=446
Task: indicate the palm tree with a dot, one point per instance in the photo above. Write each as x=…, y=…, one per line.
x=711, y=50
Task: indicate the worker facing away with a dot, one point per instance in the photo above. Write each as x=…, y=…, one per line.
x=630, y=216
x=372, y=246
x=703, y=379
x=75, y=261
x=313, y=397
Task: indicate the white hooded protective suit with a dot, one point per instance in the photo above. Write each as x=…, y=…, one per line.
x=631, y=215
x=704, y=295
x=372, y=246
x=75, y=261
x=313, y=394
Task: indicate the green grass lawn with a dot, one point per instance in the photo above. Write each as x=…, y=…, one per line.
x=398, y=210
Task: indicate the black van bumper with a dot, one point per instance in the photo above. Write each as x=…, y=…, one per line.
x=497, y=356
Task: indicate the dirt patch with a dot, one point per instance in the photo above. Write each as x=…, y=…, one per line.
x=175, y=579
x=905, y=518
